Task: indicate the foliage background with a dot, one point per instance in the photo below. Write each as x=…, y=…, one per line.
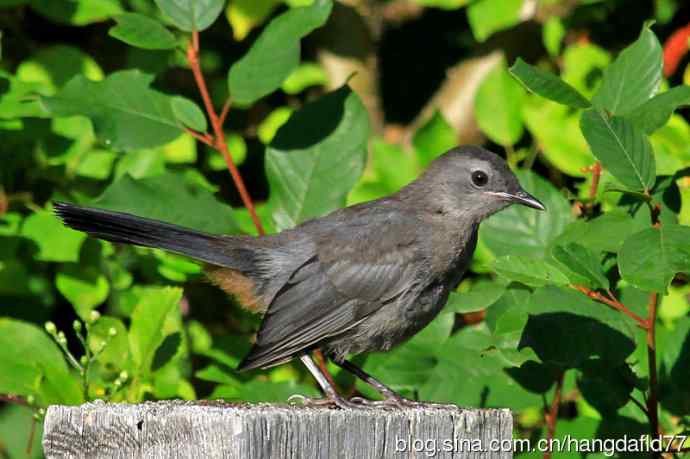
x=86, y=118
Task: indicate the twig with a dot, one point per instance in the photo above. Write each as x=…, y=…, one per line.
x=613, y=302
x=652, y=407
x=596, y=176
x=552, y=417
x=226, y=110
x=205, y=137
x=4, y=201
x=219, y=139
x=17, y=400
x=32, y=434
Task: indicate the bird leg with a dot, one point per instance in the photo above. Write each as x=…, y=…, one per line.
x=391, y=398
x=333, y=398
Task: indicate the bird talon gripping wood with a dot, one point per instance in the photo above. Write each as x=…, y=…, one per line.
x=360, y=279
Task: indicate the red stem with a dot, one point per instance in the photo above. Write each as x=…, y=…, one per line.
x=652, y=403
x=226, y=110
x=205, y=138
x=613, y=302
x=17, y=400
x=552, y=416
x=219, y=140
x=596, y=176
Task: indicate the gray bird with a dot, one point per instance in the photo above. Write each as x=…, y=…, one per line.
x=360, y=279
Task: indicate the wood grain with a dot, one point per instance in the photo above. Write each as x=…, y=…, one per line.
x=176, y=429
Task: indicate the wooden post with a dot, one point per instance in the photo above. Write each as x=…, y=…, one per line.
x=176, y=429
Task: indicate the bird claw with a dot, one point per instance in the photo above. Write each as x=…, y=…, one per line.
x=334, y=402
x=358, y=403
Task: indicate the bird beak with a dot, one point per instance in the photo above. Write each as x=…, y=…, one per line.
x=526, y=199
x=521, y=197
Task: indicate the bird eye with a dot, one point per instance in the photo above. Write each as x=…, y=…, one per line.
x=480, y=178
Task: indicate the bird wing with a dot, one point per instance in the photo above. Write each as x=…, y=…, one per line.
x=359, y=265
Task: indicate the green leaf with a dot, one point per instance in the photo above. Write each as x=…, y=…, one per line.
x=268, y=128
x=189, y=113
x=444, y=4
x=607, y=387
x=481, y=295
x=583, y=67
x=257, y=390
x=649, y=259
x=498, y=106
x=140, y=164
x=275, y=54
x=84, y=286
x=96, y=164
x=508, y=315
x=580, y=265
x=116, y=350
x=411, y=364
x=489, y=16
x=434, y=138
x=390, y=168
x=55, y=65
x=189, y=15
x=125, y=112
x=530, y=271
x=55, y=242
x=547, y=85
x=146, y=330
x=566, y=328
x=77, y=12
x=553, y=34
x=171, y=198
x=143, y=32
x=317, y=157
x=477, y=378
x=622, y=149
x=166, y=352
x=519, y=230
x=245, y=15
x=655, y=113
x=633, y=77
x=32, y=364
x=556, y=129
x=604, y=233
x=306, y=75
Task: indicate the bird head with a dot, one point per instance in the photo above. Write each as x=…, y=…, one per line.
x=473, y=181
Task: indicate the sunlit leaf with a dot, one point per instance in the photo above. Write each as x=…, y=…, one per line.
x=275, y=54
x=317, y=157
x=191, y=15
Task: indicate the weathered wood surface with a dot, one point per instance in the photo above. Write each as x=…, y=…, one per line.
x=176, y=429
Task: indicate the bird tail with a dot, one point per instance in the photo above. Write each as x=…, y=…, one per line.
x=130, y=229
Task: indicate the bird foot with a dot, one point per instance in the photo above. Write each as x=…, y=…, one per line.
x=335, y=401
x=358, y=403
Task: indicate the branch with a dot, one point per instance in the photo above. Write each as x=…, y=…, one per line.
x=17, y=400
x=205, y=137
x=226, y=110
x=596, y=176
x=552, y=416
x=219, y=142
x=613, y=302
x=652, y=403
